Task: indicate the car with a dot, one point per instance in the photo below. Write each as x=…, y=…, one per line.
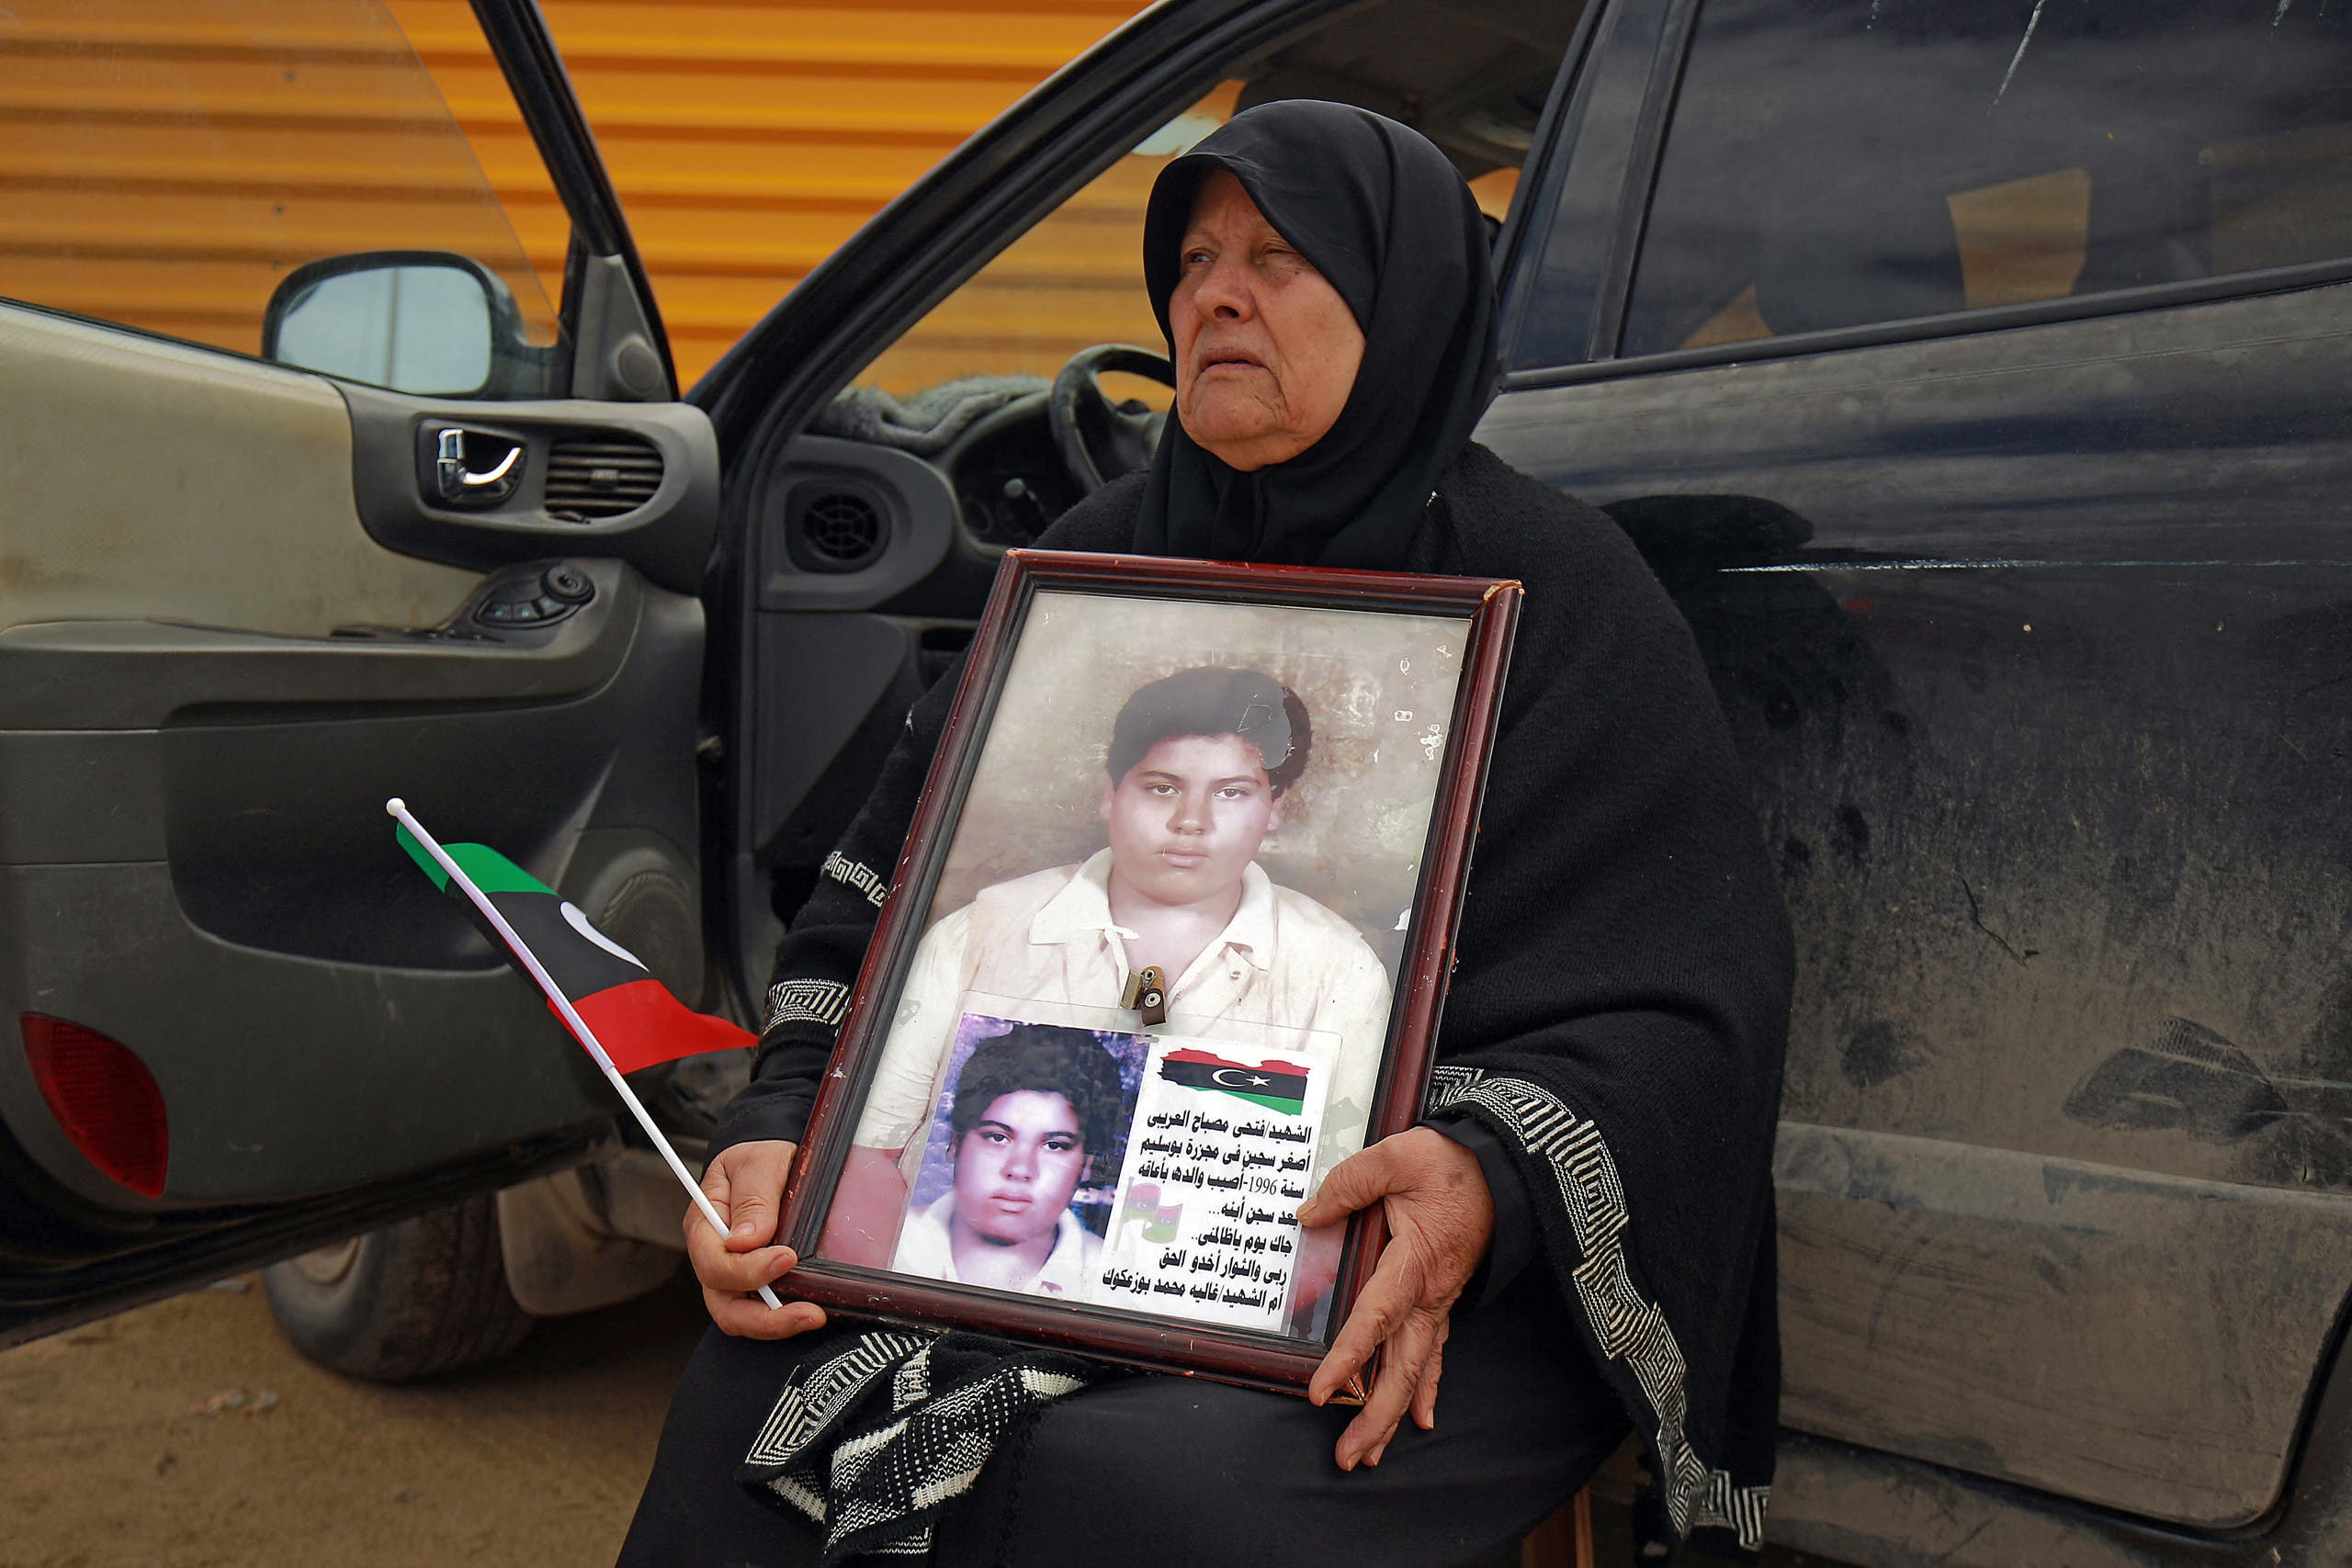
x=1973, y=375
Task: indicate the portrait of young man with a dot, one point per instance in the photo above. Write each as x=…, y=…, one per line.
x=1196, y=772
x=1034, y=1112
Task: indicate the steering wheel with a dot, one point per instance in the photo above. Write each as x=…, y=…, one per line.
x=1100, y=440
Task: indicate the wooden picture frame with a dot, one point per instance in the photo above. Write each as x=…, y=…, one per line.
x=1374, y=800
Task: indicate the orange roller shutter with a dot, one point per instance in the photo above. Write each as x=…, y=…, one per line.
x=748, y=139
x=170, y=161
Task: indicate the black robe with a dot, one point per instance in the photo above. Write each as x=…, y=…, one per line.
x=1612, y=1038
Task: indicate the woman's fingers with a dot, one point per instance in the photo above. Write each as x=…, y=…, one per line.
x=1379, y=1307
x=717, y=1266
x=1425, y=1392
x=1439, y=1217
x=720, y=1269
x=1398, y=1287
x=745, y=1184
x=748, y=1317
x=754, y=1174
x=1356, y=1182
x=1402, y=1365
x=728, y=1280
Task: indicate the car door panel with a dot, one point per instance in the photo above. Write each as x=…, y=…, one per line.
x=248, y=865
x=165, y=482
x=2034, y=641
x=62, y=669
x=212, y=674
x=636, y=482
x=1992, y=1312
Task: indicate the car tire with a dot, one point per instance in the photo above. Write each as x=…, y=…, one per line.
x=425, y=1295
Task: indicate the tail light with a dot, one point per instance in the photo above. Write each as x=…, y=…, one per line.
x=103, y=1096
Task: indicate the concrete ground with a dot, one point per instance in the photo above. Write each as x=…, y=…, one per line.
x=188, y=1435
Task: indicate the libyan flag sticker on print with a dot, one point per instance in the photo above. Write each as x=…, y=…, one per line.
x=1277, y=1085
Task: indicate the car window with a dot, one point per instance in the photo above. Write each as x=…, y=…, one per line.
x=1838, y=163
x=1473, y=74
x=174, y=161
x=1073, y=279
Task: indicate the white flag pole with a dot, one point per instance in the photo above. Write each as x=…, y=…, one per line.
x=398, y=808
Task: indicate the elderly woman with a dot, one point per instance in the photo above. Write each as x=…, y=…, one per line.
x=1582, y=1229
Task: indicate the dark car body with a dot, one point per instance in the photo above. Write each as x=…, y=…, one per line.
x=2028, y=602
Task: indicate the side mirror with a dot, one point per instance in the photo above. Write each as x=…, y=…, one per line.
x=429, y=322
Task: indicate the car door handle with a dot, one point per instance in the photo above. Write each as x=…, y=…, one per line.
x=462, y=486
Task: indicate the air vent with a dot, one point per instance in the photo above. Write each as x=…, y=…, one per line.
x=601, y=474
x=836, y=529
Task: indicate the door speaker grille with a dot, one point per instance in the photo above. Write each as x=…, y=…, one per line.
x=601, y=474
x=837, y=529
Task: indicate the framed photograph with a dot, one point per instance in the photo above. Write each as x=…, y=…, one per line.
x=1169, y=941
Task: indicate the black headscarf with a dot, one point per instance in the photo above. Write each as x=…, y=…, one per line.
x=1384, y=217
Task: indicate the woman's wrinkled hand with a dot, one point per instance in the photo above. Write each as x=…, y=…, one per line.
x=1440, y=1219
x=746, y=1184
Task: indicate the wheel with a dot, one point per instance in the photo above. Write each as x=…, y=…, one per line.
x=1100, y=440
x=422, y=1296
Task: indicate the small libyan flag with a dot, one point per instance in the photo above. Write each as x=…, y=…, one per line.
x=634, y=1016
x=1277, y=1085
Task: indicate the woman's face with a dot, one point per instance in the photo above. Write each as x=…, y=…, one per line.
x=1266, y=350
x=1016, y=1169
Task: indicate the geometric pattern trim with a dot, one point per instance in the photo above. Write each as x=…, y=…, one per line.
x=811, y=1401
x=816, y=1002
x=857, y=874
x=1629, y=1328
x=874, y=1475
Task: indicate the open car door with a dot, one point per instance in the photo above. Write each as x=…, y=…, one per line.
x=310, y=500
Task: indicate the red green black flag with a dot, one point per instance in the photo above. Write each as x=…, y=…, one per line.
x=632, y=1014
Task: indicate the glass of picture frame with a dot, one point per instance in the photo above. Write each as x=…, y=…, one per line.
x=1168, y=940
